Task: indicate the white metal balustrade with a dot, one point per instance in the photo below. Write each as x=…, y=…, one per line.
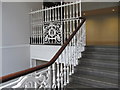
x=71, y=33
x=52, y=25
x=57, y=75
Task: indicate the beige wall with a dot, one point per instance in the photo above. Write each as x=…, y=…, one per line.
x=102, y=29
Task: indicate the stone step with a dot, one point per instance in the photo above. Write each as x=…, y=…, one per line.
x=100, y=64
x=116, y=48
x=101, y=52
x=113, y=61
x=97, y=71
x=98, y=68
x=96, y=82
x=76, y=85
x=100, y=61
x=99, y=56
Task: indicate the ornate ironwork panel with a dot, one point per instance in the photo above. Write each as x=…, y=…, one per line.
x=52, y=33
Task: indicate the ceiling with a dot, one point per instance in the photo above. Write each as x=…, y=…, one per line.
x=97, y=5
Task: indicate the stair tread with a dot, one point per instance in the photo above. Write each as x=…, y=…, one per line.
x=101, y=62
x=103, y=47
x=77, y=85
x=106, y=60
x=97, y=68
x=100, y=55
x=95, y=79
x=101, y=52
x=98, y=64
x=96, y=72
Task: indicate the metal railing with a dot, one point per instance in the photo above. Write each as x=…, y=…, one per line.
x=68, y=30
x=53, y=25
x=55, y=73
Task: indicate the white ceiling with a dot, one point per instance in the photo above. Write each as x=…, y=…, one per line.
x=100, y=0
x=58, y=0
x=97, y=5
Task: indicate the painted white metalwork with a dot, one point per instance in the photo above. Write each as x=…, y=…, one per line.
x=68, y=63
x=65, y=69
x=54, y=77
x=70, y=44
x=53, y=33
x=66, y=4
x=61, y=71
x=57, y=75
x=39, y=79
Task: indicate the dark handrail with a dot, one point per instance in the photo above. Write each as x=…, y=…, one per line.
x=30, y=70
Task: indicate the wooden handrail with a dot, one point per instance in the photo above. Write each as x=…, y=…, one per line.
x=30, y=70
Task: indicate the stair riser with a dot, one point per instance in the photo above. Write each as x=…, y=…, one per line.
x=114, y=66
x=95, y=61
x=97, y=73
x=99, y=61
x=103, y=48
x=75, y=86
x=95, y=83
x=97, y=56
x=100, y=53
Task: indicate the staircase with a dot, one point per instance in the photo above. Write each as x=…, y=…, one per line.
x=98, y=68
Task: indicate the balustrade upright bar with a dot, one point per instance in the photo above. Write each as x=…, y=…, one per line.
x=70, y=45
x=54, y=77
x=58, y=73
x=65, y=69
x=74, y=11
x=61, y=71
x=67, y=48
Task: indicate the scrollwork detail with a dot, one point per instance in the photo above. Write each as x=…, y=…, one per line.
x=52, y=33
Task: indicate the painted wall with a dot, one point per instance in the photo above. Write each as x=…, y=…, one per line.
x=43, y=52
x=15, y=35
x=0, y=38
x=102, y=29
